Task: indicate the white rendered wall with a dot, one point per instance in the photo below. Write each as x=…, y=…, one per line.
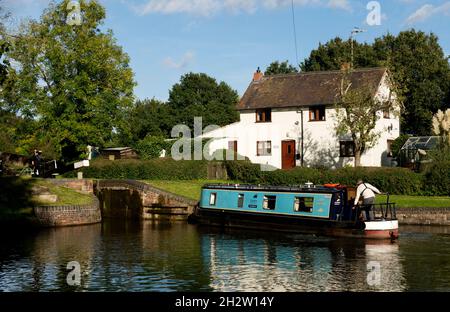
x=321, y=145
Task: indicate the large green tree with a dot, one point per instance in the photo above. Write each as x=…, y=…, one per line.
x=147, y=118
x=336, y=52
x=420, y=69
x=419, y=65
x=72, y=78
x=277, y=68
x=198, y=95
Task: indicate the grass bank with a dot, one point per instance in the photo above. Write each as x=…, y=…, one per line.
x=191, y=189
x=404, y=201
x=17, y=199
x=66, y=196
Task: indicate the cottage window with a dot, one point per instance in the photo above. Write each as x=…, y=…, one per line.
x=240, y=200
x=317, y=113
x=264, y=148
x=386, y=113
x=303, y=204
x=347, y=149
x=212, y=199
x=269, y=202
x=264, y=115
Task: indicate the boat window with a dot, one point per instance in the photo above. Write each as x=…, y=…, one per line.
x=303, y=204
x=212, y=199
x=269, y=202
x=240, y=200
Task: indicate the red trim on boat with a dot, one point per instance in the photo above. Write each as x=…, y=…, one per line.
x=386, y=234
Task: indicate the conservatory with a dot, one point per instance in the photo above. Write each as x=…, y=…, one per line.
x=416, y=149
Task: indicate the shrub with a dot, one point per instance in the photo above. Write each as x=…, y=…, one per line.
x=391, y=180
x=437, y=179
x=151, y=147
x=156, y=169
x=243, y=170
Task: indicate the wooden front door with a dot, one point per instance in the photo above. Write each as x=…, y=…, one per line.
x=288, y=154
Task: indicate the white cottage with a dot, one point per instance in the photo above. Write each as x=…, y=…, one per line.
x=289, y=120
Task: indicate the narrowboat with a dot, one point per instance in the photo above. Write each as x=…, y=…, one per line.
x=322, y=210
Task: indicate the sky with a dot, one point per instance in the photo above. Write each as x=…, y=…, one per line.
x=229, y=39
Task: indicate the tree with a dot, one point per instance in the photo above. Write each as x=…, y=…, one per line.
x=201, y=96
x=336, y=52
x=276, y=68
x=357, y=114
x=418, y=63
x=147, y=117
x=4, y=46
x=74, y=80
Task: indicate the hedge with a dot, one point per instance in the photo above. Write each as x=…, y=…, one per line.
x=401, y=181
x=155, y=169
x=392, y=180
x=437, y=179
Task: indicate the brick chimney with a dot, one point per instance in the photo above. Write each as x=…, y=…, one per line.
x=257, y=76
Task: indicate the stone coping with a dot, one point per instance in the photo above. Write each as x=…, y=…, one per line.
x=141, y=186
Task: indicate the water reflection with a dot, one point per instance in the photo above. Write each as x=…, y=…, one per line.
x=38, y=262
x=152, y=256
x=239, y=262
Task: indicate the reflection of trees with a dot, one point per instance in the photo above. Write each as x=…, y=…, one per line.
x=43, y=266
x=426, y=260
x=172, y=255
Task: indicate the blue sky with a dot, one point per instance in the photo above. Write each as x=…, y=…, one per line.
x=229, y=39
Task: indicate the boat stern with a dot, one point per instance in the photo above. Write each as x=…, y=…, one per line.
x=381, y=229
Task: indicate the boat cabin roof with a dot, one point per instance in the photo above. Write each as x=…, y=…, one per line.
x=268, y=188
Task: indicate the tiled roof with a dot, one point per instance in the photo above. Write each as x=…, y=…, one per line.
x=305, y=89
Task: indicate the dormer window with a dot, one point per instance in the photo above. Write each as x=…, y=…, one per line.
x=264, y=115
x=317, y=113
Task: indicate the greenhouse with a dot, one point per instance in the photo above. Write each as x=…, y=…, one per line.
x=415, y=150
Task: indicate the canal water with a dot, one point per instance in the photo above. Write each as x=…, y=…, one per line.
x=151, y=256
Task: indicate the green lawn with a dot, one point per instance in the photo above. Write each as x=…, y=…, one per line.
x=416, y=201
x=17, y=200
x=66, y=196
x=191, y=189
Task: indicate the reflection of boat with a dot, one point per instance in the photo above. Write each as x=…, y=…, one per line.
x=324, y=210
x=242, y=260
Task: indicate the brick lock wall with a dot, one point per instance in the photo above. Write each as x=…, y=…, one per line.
x=423, y=216
x=49, y=216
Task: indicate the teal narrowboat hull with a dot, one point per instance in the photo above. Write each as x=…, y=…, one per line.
x=318, y=211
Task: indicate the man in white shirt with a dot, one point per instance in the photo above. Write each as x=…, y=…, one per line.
x=367, y=191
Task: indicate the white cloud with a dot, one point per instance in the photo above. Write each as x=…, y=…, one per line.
x=340, y=4
x=427, y=11
x=183, y=63
x=210, y=7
